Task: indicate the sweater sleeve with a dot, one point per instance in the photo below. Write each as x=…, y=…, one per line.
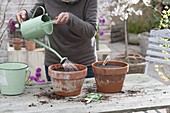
x=87, y=27
x=39, y=10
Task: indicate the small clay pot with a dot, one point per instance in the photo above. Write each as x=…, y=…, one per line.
x=17, y=43
x=67, y=83
x=110, y=78
x=30, y=45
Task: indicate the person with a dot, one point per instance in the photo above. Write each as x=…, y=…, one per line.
x=74, y=30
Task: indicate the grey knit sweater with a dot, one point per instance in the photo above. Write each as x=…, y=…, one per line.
x=75, y=39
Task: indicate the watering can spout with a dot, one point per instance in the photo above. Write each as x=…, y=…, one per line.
x=63, y=60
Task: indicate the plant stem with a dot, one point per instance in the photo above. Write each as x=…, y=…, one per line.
x=126, y=38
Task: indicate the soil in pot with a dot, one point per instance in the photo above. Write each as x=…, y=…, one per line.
x=30, y=45
x=110, y=78
x=17, y=43
x=67, y=83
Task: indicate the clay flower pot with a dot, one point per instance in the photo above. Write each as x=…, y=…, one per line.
x=17, y=43
x=67, y=83
x=30, y=45
x=110, y=78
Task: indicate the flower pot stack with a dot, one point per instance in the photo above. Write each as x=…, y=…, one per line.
x=17, y=43
x=30, y=45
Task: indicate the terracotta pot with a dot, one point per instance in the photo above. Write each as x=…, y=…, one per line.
x=110, y=78
x=17, y=43
x=67, y=83
x=30, y=45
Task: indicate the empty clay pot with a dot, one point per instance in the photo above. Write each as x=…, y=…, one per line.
x=30, y=45
x=67, y=83
x=110, y=78
x=17, y=43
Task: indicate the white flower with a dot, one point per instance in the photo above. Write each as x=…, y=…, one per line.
x=122, y=8
x=123, y=1
x=147, y=2
x=132, y=2
x=138, y=12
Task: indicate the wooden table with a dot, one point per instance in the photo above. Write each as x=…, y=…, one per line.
x=140, y=92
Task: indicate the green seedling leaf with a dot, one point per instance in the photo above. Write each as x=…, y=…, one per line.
x=92, y=97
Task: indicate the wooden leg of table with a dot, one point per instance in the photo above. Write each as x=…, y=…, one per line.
x=167, y=110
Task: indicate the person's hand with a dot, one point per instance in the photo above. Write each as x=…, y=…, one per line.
x=21, y=16
x=62, y=18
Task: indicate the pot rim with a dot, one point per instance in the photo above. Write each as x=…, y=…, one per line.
x=85, y=68
x=111, y=61
x=24, y=67
x=82, y=73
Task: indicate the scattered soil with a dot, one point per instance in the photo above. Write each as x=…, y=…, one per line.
x=105, y=98
x=32, y=105
x=78, y=99
x=43, y=102
x=52, y=96
x=90, y=90
x=49, y=95
x=132, y=92
x=164, y=92
x=81, y=99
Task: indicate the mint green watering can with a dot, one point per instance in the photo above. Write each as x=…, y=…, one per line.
x=38, y=27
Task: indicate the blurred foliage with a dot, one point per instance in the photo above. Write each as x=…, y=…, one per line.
x=145, y=22
x=165, y=20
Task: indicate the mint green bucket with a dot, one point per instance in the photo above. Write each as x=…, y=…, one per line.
x=13, y=76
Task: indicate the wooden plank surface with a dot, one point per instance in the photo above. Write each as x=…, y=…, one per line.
x=140, y=92
x=34, y=59
x=103, y=51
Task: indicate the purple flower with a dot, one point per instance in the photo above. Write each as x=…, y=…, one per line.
x=102, y=21
x=38, y=74
x=40, y=81
x=35, y=79
x=101, y=32
x=12, y=25
x=31, y=77
x=38, y=69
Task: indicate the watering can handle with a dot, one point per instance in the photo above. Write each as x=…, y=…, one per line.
x=37, y=9
x=49, y=22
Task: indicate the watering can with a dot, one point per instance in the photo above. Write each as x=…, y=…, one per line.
x=37, y=27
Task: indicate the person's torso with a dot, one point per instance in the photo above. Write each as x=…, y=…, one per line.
x=64, y=40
